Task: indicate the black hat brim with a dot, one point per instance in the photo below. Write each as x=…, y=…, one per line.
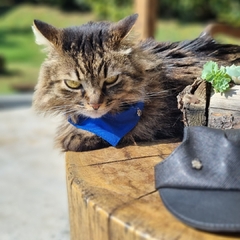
x=209, y=210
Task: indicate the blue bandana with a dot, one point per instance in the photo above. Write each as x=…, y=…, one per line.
x=112, y=127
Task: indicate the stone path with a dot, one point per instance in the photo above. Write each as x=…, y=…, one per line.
x=33, y=197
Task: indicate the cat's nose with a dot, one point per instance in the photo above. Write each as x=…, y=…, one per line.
x=95, y=106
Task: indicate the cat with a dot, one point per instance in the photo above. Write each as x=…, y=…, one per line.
x=98, y=71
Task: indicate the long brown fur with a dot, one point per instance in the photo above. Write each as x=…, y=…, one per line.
x=147, y=71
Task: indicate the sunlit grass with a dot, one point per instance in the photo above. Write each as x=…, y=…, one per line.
x=173, y=30
x=17, y=44
x=23, y=16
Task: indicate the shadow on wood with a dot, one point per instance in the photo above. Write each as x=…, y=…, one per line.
x=112, y=196
x=111, y=191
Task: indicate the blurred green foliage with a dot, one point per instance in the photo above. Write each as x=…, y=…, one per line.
x=185, y=10
x=22, y=57
x=111, y=9
x=201, y=10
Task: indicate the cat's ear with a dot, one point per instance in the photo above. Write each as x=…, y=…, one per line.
x=45, y=34
x=122, y=28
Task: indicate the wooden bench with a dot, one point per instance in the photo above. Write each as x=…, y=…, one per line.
x=112, y=196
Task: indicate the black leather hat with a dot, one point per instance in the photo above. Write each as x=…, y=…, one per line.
x=199, y=182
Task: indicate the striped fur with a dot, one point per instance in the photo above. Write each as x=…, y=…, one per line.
x=111, y=71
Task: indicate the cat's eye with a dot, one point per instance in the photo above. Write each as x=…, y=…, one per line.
x=72, y=84
x=111, y=80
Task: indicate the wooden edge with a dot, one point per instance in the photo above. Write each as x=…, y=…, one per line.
x=117, y=200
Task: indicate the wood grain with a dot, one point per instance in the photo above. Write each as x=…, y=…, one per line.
x=112, y=196
x=224, y=109
x=201, y=106
x=193, y=103
x=146, y=23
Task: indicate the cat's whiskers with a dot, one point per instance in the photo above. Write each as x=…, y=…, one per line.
x=98, y=70
x=81, y=114
x=158, y=93
x=62, y=106
x=60, y=111
x=65, y=107
x=68, y=112
x=129, y=101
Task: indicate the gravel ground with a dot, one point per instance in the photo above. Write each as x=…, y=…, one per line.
x=33, y=196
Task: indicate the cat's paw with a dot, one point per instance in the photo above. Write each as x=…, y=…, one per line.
x=79, y=142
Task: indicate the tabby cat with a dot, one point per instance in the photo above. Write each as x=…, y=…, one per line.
x=97, y=73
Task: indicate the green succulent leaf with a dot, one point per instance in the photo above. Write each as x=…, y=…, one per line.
x=218, y=77
x=208, y=69
x=233, y=71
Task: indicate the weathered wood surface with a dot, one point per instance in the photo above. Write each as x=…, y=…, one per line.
x=112, y=196
x=146, y=23
x=193, y=102
x=224, y=109
x=203, y=108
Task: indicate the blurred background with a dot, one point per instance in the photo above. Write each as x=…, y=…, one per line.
x=20, y=57
x=33, y=197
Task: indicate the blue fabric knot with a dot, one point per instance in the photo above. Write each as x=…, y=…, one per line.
x=111, y=127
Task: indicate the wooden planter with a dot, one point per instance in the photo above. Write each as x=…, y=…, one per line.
x=202, y=107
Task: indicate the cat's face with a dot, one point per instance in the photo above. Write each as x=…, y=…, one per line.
x=90, y=70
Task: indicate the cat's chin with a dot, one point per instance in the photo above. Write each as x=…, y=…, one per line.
x=95, y=114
